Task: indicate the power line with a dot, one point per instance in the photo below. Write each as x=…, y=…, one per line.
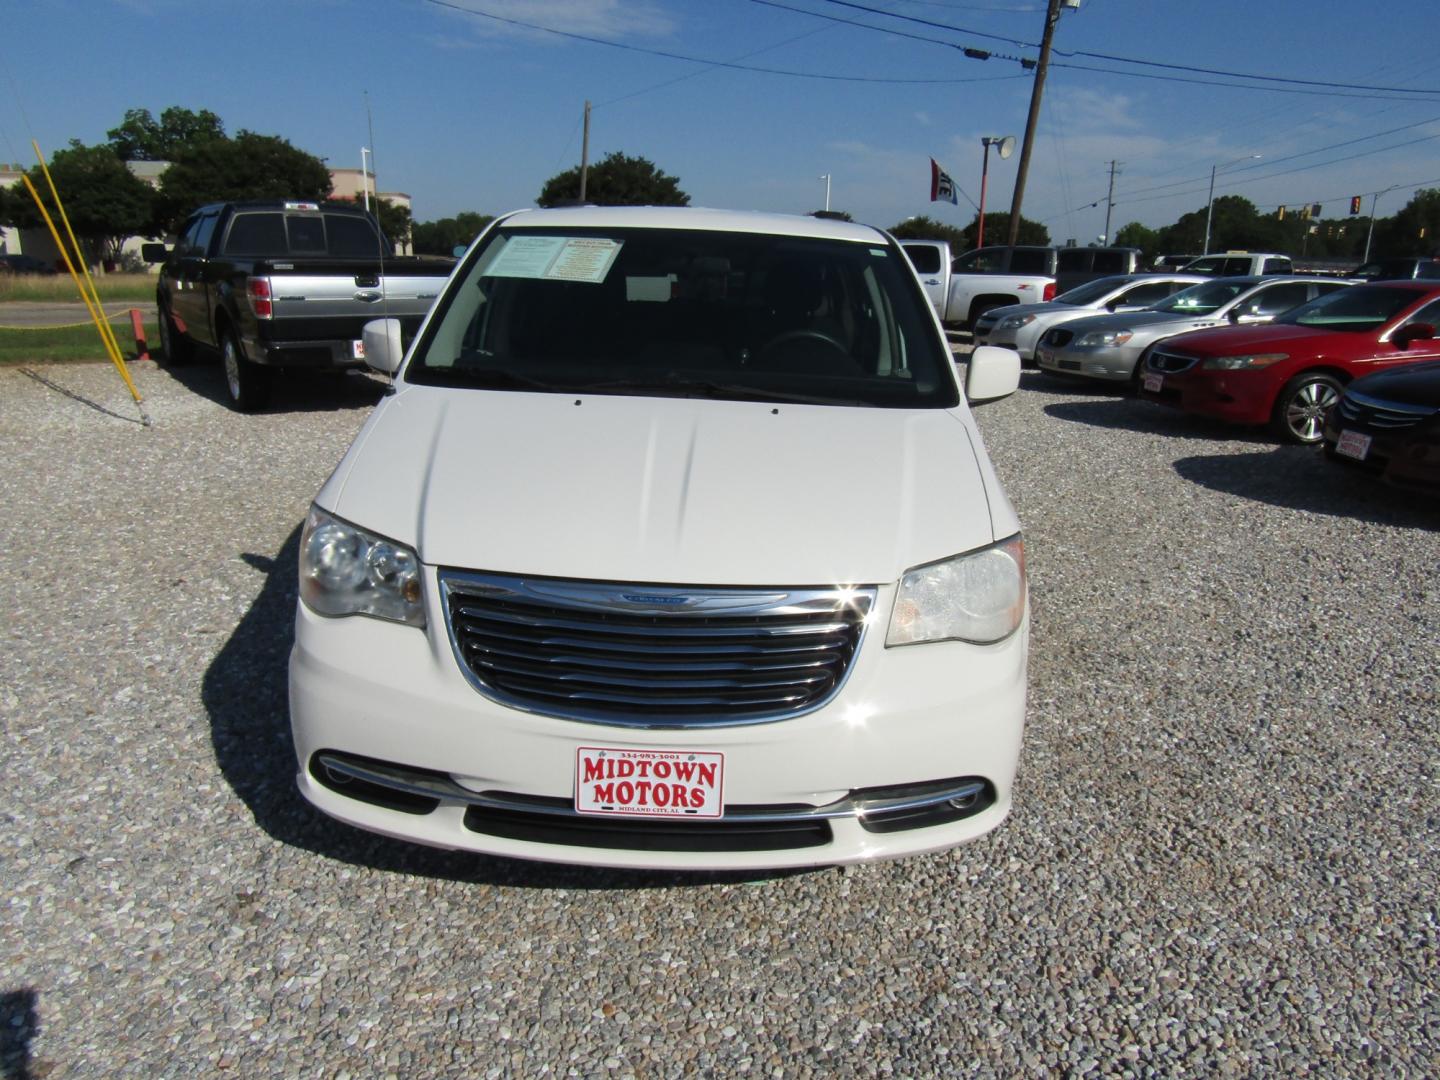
x=700, y=59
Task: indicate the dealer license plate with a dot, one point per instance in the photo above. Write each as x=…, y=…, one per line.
x=357, y=349
x=1153, y=383
x=649, y=783
x=1044, y=356
x=1353, y=444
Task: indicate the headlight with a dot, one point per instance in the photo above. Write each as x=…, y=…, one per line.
x=977, y=597
x=1105, y=338
x=345, y=570
x=1240, y=363
x=1014, y=322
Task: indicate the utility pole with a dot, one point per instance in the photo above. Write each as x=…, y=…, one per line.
x=585, y=153
x=1052, y=17
x=1110, y=204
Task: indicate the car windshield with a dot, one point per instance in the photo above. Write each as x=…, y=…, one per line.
x=696, y=313
x=1355, y=310
x=1203, y=299
x=1091, y=291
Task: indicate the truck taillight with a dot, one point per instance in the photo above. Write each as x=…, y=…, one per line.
x=259, y=290
x=1049, y=292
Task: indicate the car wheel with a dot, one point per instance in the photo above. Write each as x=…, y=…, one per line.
x=176, y=347
x=248, y=384
x=1301, y=407
x=976, y=311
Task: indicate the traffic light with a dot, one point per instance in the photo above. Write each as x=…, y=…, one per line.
x=1315, y=209
x=1355, y=204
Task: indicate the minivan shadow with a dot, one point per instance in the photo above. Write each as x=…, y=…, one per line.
x=246, y=695
x=1130, y=414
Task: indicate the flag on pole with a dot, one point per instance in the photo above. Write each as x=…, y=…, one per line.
x=942, y=188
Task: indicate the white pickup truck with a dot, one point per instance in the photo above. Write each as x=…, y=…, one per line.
x=965, y=287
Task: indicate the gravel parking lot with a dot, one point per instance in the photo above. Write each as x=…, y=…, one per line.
x=1222, y=861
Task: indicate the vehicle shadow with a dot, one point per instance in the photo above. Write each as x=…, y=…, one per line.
x=19, y=1024
x=293, y=391
x=1130, y=414
x=245, y=692
x=1300, y=478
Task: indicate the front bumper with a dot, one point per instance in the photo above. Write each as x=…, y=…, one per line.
x=915, y=723
x=1409, y=459
x=1109, y=365
x=1239, y=397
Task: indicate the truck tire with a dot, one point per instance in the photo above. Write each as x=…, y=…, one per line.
x=248, y=384
x=979, y=308
x=177, y=348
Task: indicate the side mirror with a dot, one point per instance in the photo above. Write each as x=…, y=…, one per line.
x=383, y=347
x=154, y=253
x=993, y=373
x=1415, y=331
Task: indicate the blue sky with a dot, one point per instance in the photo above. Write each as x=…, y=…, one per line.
x=471, y=113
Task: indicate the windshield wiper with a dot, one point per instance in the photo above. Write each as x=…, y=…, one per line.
x=678, y=386
x=494, y=379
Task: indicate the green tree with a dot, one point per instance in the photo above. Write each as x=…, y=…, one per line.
x=442, y=237
x=249, y=166
x=1140, y=236
x=395, y=221
x=141, y=138
x=925, y=228
x=616, y=180
x=104, y=201
x=997, y=230
x=1414, y=230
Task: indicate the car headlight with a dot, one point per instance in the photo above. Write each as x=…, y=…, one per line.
x=1241, y=363
x=1105, y=338
x=977, y=597
x=1014, y=322
x=345, y=570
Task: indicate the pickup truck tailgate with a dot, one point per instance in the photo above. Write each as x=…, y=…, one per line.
x=348, y=297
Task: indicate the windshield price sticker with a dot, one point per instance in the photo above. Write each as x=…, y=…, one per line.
x=1353, y=444
x=1153, y=383
x=556, y=258
x=649, y=783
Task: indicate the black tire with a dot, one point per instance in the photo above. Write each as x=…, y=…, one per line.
x=979, y=308
x=247, y=384
x=1300, y=408
x=177, y=349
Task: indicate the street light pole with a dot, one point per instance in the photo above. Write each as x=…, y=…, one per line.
x=986, y=142
x=365, y=176
x=826, y=178
x=1370, y=233
x=1210, y=201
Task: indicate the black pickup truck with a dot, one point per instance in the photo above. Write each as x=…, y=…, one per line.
x=273, y=285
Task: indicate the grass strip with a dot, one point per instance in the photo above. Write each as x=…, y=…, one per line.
x=46, y=288
x=79, y=344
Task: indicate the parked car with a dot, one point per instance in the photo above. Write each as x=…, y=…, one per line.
x=276, y=285
x=1406, y=268
x=675, y=545
x=1290, y=373
x=1109, y=347
x=1019, y=326
x=24, y=264
x=962, y=289
x=1389, y=423
x=1240, y=264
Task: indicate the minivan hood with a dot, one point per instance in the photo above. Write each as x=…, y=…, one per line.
x=671, y=490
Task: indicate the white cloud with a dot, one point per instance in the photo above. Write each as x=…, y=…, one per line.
x=610, y=19
x=923, y=119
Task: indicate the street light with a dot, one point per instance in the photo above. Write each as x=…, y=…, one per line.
x=1210, y=203
x=826, y=178
x=1005, y=146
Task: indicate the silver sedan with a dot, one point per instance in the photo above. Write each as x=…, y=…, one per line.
x=1019, y=326
x=1109, y=347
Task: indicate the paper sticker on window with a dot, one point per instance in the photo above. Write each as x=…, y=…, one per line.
x=556, y=258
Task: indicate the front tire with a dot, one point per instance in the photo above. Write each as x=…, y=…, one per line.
x=248, y=384
x=1300, y=409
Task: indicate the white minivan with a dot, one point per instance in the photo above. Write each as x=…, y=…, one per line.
x=673, y=545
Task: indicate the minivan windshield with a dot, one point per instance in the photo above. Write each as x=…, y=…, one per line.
x=688, y=313
x=1354, y=310
x=1203, y=299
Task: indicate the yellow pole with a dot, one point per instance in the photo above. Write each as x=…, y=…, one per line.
x=91, y=297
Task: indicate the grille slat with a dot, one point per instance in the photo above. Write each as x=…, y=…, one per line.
x=1168, y=362
x=1377, y=413
x=649, y=655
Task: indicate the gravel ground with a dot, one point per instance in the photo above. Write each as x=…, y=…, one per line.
x=1222, y=859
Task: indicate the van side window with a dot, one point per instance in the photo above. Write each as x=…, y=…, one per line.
x=1072, y=259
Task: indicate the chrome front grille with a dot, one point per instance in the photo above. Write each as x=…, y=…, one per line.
x=652, y=656
x=1169, y=362
x=1377, y=413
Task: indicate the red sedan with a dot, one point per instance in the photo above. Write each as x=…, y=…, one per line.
x=1288, y=373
